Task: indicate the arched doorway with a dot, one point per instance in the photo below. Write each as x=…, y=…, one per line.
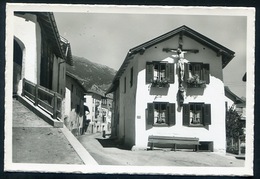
x=17, y=66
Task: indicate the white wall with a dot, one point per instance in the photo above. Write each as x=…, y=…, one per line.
x=127, y=105
x=27, y=30
x=90, y=104
x=230, y=103
x=28, y=36
x=212, y=94
x=67, y=106
x=75, y=120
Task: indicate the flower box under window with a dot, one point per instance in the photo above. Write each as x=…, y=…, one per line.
x=160, y=74
x=160, y=84
x=196, y=75
x=195, y=82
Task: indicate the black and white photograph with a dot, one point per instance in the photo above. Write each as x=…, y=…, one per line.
x=129, y=89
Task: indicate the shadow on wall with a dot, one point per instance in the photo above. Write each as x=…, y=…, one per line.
x=148, y=126
x=194, y=91
x=159, y=91
x=113, y=143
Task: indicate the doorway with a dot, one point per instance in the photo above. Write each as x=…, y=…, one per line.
x=17, y=66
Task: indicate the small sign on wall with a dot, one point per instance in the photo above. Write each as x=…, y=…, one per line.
x=138, y=117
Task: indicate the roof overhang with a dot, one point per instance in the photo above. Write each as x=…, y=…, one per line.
x=67, y=50
x=229, y=94
x=78, y=80
x=49, y=30
x=227, y=54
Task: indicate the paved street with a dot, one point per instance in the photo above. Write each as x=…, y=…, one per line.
x=108, y=152
x=35, y=141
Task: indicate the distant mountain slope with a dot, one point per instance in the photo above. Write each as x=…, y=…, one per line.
x=92, y=73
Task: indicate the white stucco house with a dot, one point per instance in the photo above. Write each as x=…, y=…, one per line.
x=40, y=57
x=74, y=104
x=39, y=52
x=100, y=109
x=172, y=86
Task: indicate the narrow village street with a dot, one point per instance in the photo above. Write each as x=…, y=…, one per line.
x=107, y=152
x=35, y=141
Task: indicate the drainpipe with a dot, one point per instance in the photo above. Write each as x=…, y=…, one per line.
x=59, y=67
x=59, y=74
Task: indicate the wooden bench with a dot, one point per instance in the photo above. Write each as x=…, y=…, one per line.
x=174, y=141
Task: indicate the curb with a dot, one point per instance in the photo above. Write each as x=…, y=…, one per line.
x=81, y=151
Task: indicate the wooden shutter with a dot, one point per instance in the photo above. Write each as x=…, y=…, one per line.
x=186, y=114
x=149, y=72
x=207, y=114
x=171, y=110
x=170, y=72
x=150, y=119
x=206, y=73
x=186, y=71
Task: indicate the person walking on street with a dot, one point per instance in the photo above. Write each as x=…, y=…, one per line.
x=85, y=120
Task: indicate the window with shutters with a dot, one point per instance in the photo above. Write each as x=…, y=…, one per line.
x=159, y=74
x=161, y=114
x=196, y=114
x=197, y=75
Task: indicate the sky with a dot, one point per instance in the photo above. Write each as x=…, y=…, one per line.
x=105, y=38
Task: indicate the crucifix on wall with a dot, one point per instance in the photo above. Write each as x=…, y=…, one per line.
x=181, y=63
x=181, y=60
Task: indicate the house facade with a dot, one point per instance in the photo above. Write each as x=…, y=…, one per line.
x=100, y=109
x=38, y=51
x=74, y=104
x=172, y=86
x=39, y=60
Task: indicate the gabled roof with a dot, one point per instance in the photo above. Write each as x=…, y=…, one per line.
x=78, y=80
x=226, y=53
x=96, y=90
x=51, y=33
x=233, y=97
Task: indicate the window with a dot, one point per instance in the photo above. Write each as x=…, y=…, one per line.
x=104, y=101
x=161, y=114
x=131, y=77
x=196, y=74
x=160, y=74
x=196, y=114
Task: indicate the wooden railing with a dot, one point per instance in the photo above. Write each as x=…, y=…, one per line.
x=43, y=97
